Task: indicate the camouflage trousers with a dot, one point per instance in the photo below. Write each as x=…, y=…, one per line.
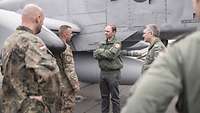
x=27, y=106
x=68, y=101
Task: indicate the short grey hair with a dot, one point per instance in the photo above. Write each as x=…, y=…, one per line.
x=63, y=28
x=154, y=29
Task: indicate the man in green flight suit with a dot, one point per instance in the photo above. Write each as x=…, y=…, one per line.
x=175, y=72
x=110, y=63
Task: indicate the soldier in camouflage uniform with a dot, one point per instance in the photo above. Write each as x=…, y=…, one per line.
x=31, y=75
x=151, y=34
x=70, y=81
x=110, y=63
x=175, y=72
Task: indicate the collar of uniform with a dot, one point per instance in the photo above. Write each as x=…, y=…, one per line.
x=65, y=43
x=112, y=40
x=155, y=41
x=24, y=28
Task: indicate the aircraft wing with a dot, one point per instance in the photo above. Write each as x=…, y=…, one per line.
x=170, y=32
x=54, y=24
x=88, y=70
x=11, y=4
x=10, y=20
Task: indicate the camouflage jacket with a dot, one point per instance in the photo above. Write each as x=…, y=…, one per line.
x=108, y=55
x=67, y=68
x=29, y=70
x=153, y=51
x=175, y=72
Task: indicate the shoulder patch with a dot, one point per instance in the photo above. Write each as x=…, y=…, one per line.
x=39, y=43
x=117, y=45
x=41, y=46
x=156, y=45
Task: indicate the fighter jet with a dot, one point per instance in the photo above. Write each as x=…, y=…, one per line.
x=89, y=17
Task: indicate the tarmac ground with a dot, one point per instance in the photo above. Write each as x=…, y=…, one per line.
x=89, y=100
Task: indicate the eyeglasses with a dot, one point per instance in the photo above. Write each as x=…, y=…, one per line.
x=107, y=31
x=146, y=32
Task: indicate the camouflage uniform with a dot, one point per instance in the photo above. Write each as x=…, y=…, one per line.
x=29, y=70
x=108, y=56
x=153, y=52
x=175, y=72
x=69, y=79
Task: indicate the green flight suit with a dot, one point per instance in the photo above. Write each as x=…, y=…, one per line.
x=175, y=72
x=153, y=52
x=108, y=55
x=110, y=63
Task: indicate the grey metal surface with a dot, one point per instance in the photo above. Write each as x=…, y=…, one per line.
x=9, y=22
x=90, y=101
x=88, y=17
x=88, y=70
x=173, y=16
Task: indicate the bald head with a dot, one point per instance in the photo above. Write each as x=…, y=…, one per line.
x=31, y=11
x=32, y=17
